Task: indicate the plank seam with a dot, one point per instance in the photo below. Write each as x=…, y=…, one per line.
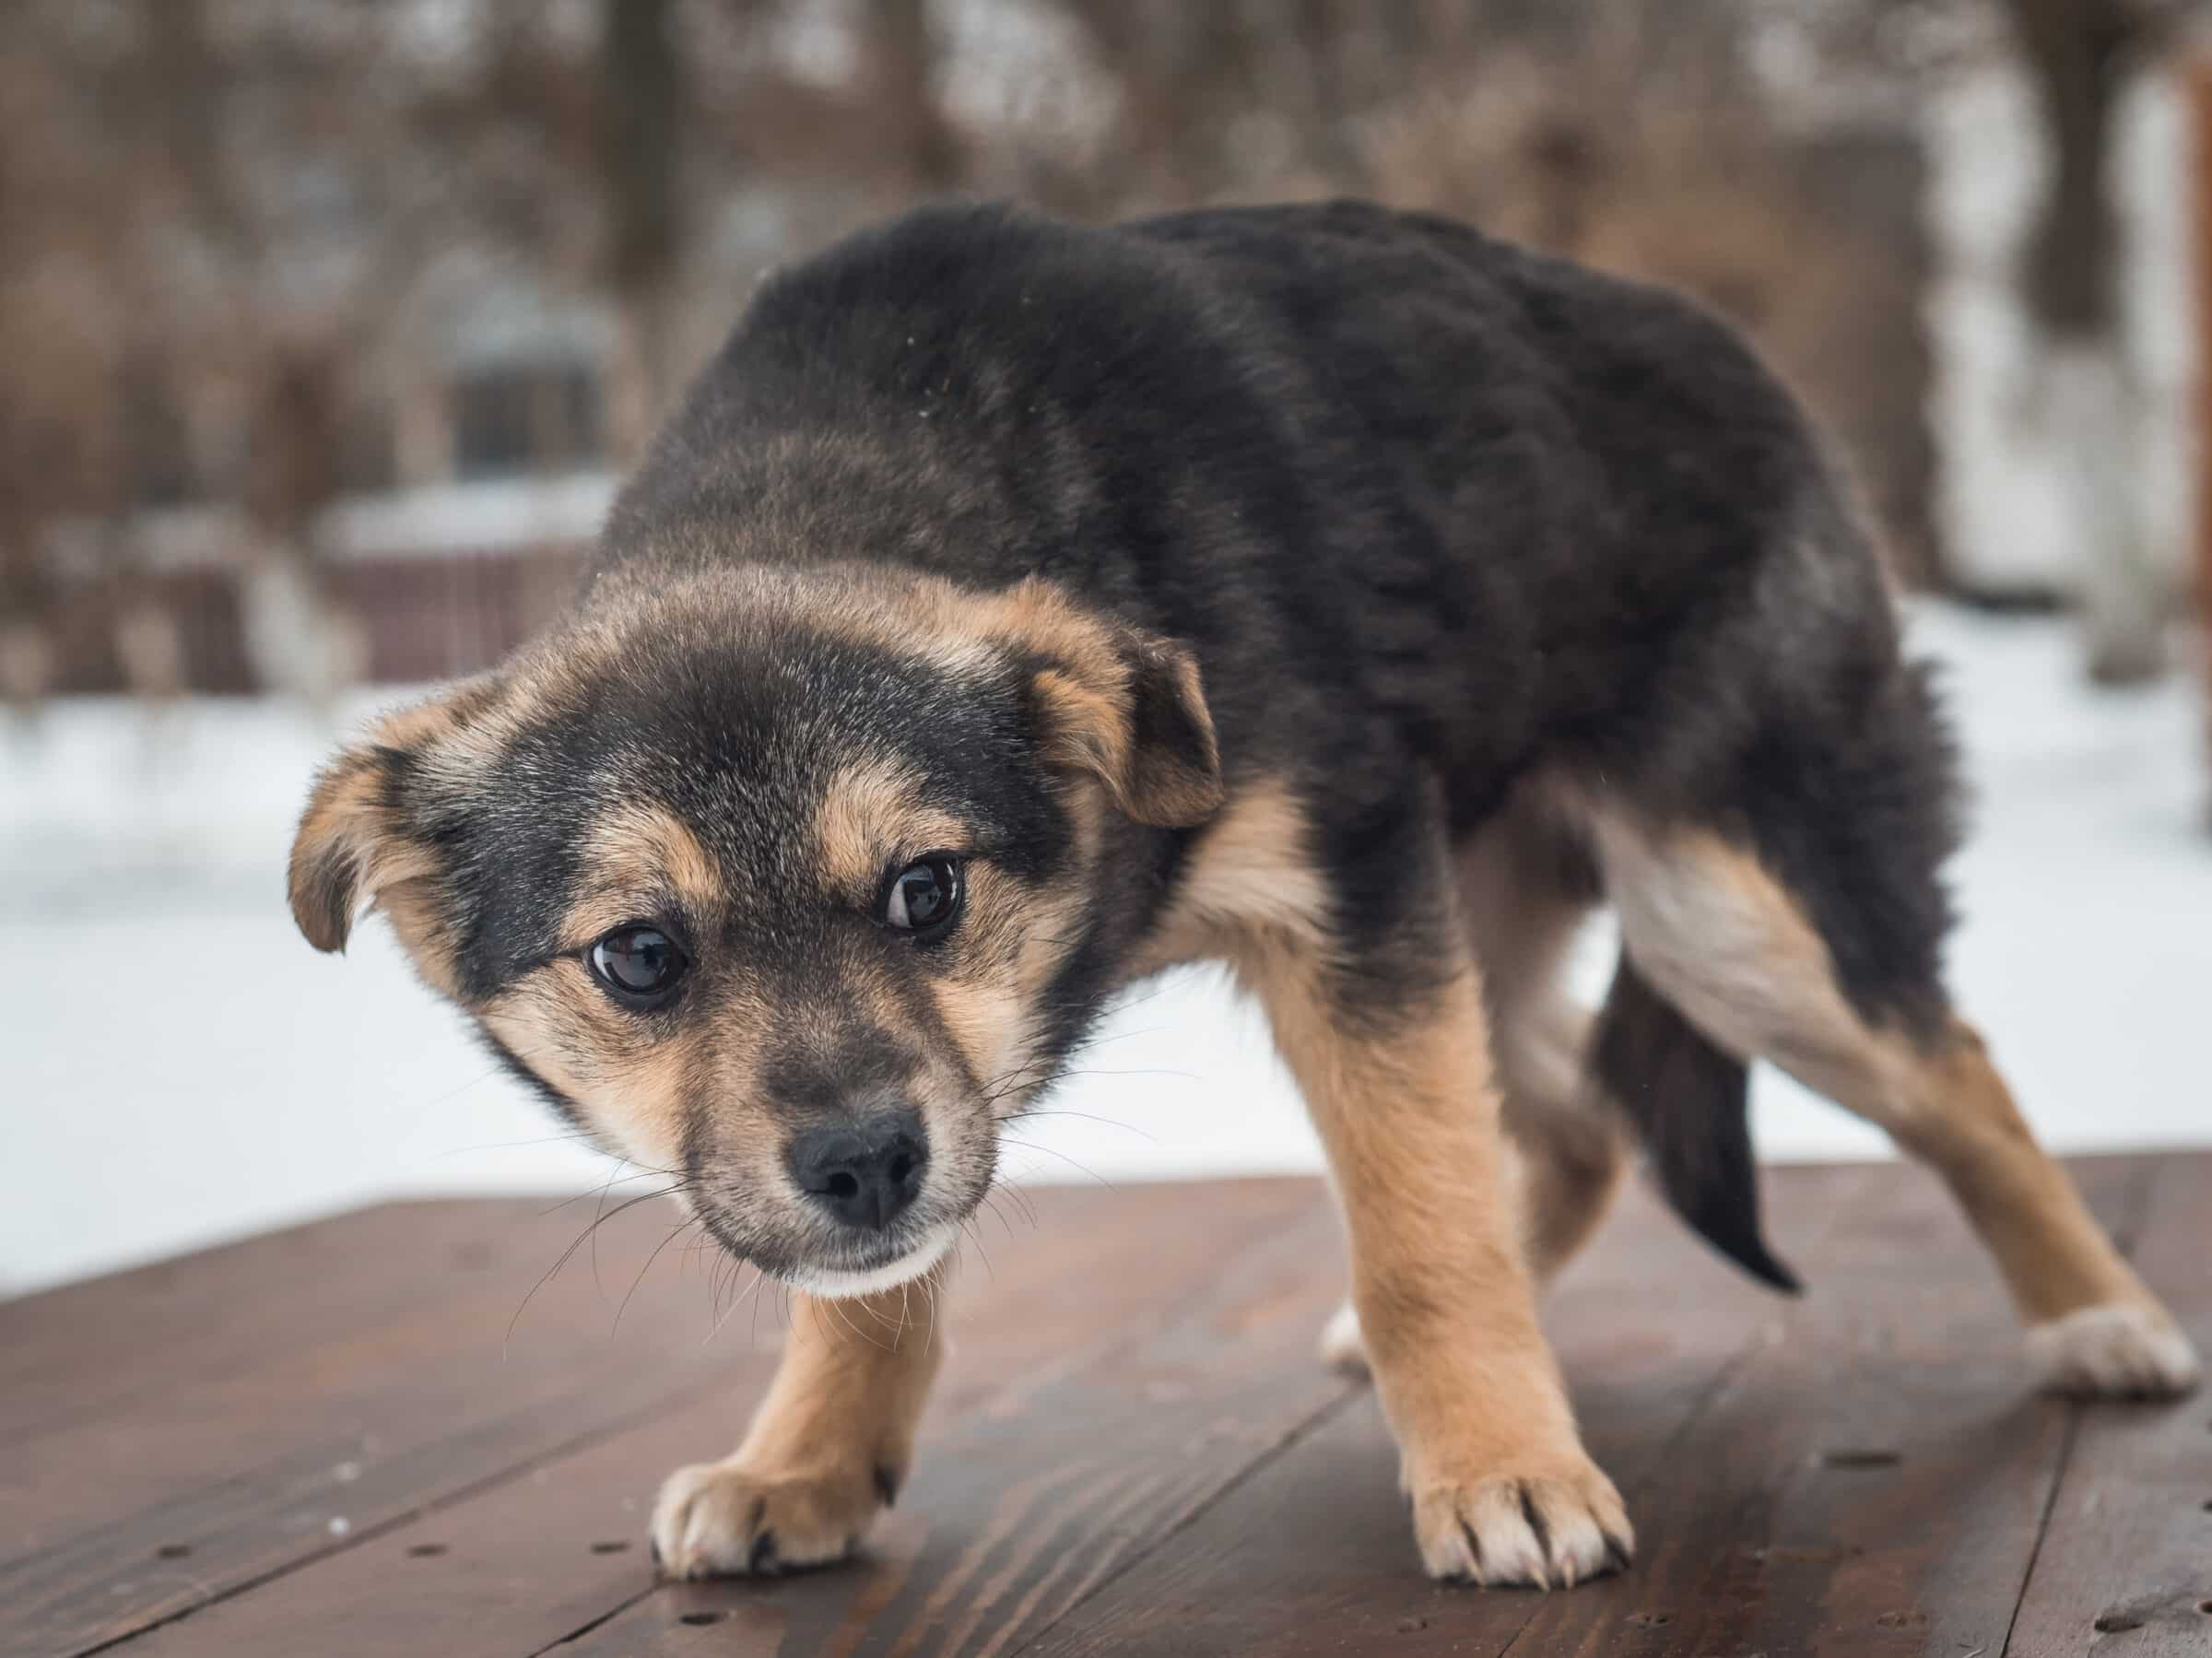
x=2124, y=1237
x=606, y=1616
x=1266, y=1237
x=383, y=1528
x=1725, y=1376
x=1298, y=1432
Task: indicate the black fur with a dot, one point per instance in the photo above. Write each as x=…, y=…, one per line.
x=1432, y=513
x=1690, y=1103
x=1425, y=505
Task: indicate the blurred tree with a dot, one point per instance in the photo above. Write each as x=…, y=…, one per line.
x=2081, y=54
x=641, y=117
x=269, y=210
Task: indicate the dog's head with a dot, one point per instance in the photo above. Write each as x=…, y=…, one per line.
x=794, y=886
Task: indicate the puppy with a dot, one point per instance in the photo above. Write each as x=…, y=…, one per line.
x=1014, y=610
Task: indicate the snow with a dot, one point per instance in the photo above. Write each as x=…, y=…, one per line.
x=177, y=1067
x=426, y=521
x=2000, y=494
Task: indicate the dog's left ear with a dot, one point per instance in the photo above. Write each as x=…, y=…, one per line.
x=1135, y=716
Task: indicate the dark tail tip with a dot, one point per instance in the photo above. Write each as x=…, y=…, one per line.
x=1690, y=1102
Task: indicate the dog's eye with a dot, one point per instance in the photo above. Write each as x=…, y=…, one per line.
x=640, y=964
x=924, y=897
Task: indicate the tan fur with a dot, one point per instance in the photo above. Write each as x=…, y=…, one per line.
x=632, y=856
x=348, y=855
x=1410, y=1119
x=872, y=820
x=1248, y=888
x=1085, y=687
x=1018, y=932
x=1728, y=945
x=828, y=1446
x=630, y=1080
x=346, y=851
x=992, y=1004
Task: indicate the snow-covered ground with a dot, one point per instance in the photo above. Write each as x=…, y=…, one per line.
x=177, y=1065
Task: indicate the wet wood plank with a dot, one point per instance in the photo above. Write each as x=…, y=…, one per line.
x=1864, y=1472
x=1013, y=1517
x=2125, y=1561
x=1315, y=1553
x=315, y=1433
x=1133, y=1450
x=521, y=1565
x=1873, y=1483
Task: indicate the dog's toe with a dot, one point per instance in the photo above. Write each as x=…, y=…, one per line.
x=717, y=1518
x=1543, y=1530
x=2119, y=1350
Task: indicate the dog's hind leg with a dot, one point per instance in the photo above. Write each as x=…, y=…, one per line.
x=1526, y=886
x=1735, y=948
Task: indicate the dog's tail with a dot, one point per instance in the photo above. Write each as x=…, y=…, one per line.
x=1691, y=1104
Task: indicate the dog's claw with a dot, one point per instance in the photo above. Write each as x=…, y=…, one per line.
x=716, y=1519
x=1553, y=1529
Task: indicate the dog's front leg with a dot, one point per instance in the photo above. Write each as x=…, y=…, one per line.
x=1400, y=1091
x=828, y=1447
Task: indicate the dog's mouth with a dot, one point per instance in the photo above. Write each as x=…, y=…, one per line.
x=842, y=1283
x=897, y=1259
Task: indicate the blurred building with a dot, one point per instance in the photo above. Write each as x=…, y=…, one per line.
x=424, y=273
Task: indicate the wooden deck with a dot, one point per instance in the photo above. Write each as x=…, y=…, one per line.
x=327, y=1441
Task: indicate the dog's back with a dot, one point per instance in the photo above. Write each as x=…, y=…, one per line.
x=1499, y=510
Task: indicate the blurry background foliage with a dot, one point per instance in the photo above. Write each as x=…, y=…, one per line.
x=329, y=322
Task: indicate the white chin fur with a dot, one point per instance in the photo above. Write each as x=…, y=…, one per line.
x=833, y=1284
x=2118, y=1349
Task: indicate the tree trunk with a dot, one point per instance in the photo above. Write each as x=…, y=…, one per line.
x=640, y=91
x=909, y=114
x=297, y=638
x=2080, y=53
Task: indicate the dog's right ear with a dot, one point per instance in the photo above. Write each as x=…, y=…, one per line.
x=356, y=838
x=1136, y=720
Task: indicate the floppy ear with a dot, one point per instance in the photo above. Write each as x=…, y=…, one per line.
x=354, y=837
x=1138, y=722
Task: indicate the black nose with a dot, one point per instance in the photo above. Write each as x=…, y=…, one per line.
x=865, y=1174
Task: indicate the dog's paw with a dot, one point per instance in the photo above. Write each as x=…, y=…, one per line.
x=718, y=1519
x=1548, y=1528
x=1342, y=1348
x=2119, y=1350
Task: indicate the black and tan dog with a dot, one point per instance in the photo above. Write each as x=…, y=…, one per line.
x=1016, y=609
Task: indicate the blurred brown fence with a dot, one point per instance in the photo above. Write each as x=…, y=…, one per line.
x=422, y=615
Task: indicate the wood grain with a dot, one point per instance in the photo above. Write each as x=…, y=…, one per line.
x=1066, y=1472
x=1315, y=1553
x=1871, y=1483
x=317, y=1428
x=1133, y=1450
x=1866, y=1475
x=558, y=1542
x=2125, y=1562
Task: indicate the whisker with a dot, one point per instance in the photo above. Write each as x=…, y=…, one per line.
x=1088, y=1117
x=1071, y=1162
x=968, y=1226
x=573, y=1135
x=630, y=1203
x=642, y=1173
x=674, y=1233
